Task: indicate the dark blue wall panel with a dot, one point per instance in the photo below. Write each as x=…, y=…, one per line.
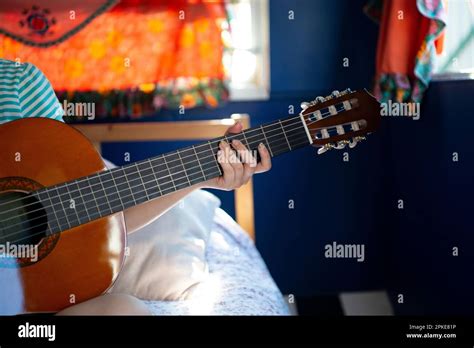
x=437, y=194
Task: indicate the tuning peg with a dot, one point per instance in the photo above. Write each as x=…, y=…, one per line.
x=346, y=91
x=304, y=105
x=325, y=148
x=320, y=99
x=355, y=141
x=335, y=93
x=341, y=144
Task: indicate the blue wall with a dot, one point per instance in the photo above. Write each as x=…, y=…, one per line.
x=437, y=193
x=407, y=251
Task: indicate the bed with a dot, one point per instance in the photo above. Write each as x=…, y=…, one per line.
x=238, y=283
x=234, y=279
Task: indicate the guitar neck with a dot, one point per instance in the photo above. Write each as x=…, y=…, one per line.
x=89, y=198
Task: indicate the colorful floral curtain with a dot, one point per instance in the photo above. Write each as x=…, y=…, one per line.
x=46, y=23
x=409, y=38
x=137, y=57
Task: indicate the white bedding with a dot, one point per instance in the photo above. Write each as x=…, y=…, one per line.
x=238, y=283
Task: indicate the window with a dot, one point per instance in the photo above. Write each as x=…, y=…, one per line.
x=457, y=59
x=246, y=59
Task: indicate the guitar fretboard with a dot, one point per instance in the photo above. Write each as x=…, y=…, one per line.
x=101, y=194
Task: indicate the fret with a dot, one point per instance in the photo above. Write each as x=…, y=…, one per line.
x=296, y=133
x=276, y=139
x=240, y=136
x=149, y=180
x=100, y=177
x=143, y=183
x=43, y=197
x=289, y=146
x=99, y=195
x=58, y=208
x=154, y=176
x=184, y=169
x=69, y=205
x=265, y=137
x=111, y=191
x=91, y=205
x=253, y=138
x=135, y=183
x=208, y=158
x=227, y=140
x=199, y=162
x=176, y=170
x=163, y=175
x=192, y=166
x=256, y=135
x=169, y=172
x=245, y=141
x=123, y=187
x=76, y=195
x=211, y=158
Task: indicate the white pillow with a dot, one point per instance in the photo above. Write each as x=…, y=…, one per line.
x=166, y=259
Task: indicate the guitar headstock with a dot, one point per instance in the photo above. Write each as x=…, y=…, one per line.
x=341, y=119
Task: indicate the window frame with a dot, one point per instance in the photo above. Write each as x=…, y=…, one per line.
x=452, y=76
x=460, y=75
x=259, y=90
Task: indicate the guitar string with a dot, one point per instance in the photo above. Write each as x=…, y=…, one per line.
x=196, y=146
x=150, y=161
x=153, y=173
x=38, y=233
x=166, y=155
x=41, y=232
x=141, y=178
x=131, y=193
x=106, y=196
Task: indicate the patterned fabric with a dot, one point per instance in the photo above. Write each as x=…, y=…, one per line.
x=239, y=282
x=138, y=57
x=408, y=41
x=46, y=23
x=26, y=92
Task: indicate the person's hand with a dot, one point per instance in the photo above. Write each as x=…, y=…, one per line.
x=238, y=166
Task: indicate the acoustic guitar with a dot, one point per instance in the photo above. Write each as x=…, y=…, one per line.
x=62, y=231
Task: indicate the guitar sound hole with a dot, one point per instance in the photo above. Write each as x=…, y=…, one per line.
x=23, y=219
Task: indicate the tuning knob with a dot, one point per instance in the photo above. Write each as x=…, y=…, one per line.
x=320, y=99
x=341, y=144
x=355, y=141
x=304, y=105
x=335, y=94
x=325, y=148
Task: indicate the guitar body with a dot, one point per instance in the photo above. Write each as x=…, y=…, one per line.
x=72, y=266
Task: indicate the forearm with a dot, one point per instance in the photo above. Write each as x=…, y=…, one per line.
x=235, y=174
x=143, y=214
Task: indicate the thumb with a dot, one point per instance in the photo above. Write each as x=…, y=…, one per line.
x=235, y=128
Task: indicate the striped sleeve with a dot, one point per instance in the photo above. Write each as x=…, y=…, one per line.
x=36, y=95
x=9, y=103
